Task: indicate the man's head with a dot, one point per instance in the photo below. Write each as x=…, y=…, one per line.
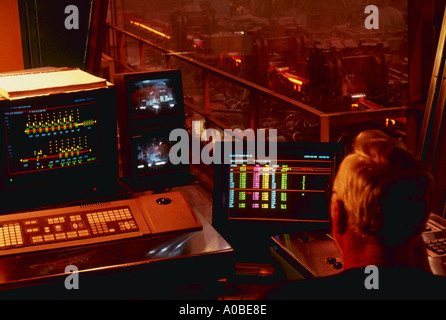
x=381, y=193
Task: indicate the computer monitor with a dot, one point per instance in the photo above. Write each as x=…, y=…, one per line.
x=255, y=198
x=57, y=149
x=145, y=159
x=149, y=98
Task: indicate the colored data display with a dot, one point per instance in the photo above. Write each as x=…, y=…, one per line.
x=53, y=137
x=281, y=190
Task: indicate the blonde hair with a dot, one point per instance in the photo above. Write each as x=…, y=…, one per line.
x=385, y=190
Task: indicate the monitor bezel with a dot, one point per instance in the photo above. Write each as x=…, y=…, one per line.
x=60, y=186
x=223, y=223
x=128, y=119
x=167, y=176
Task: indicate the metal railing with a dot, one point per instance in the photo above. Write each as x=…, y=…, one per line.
x=116, y=46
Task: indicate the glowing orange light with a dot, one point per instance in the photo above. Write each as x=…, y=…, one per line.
x=390, y=121
x=297, y=84
x=294, y=80
x=150, y=29
x=238, y=61
x=355, y=105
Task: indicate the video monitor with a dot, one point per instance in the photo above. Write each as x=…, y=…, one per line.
x=152, y=154
x=290, y=190
x=276, y=194
x=150, y=98
x=58, y=148
x=153, y=97
x=145, y=158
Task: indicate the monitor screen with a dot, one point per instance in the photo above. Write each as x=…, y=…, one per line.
x=252, y=191
x=48, y=138
x=149, y=98
x=152, y=153
x=153, y=97
x=145, y=158
x=289, y=189
x=57, y=149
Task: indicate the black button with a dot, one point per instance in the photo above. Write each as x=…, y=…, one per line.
x=163, y=201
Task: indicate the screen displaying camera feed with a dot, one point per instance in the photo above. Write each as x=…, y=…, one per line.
x=152, y=154
x=154, y=97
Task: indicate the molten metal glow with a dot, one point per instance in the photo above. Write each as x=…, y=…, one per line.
x=298, y=82
x=150, y=29
x=390, y=121
x=238, y=61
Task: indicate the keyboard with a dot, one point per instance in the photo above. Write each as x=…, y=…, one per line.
x=49, y=229
x=435, y=236
x=96, y=223
x=437, y=246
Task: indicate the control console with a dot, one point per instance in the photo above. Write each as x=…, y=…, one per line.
x=95, y=223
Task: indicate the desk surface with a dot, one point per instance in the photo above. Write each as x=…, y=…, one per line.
x=307, y=252
x=180, y=255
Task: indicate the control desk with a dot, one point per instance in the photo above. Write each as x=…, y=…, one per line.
x=136, y=248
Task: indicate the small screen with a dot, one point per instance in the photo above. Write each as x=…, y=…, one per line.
x=46, y=137
x=152, y=154
x=154, y=97
x=289, y=188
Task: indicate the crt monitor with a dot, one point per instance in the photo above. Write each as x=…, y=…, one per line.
x=149, y=98
x=260, y=196
x=145, y=158
x=58, y=149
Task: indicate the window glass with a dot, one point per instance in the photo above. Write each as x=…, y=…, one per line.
x=337, y=57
